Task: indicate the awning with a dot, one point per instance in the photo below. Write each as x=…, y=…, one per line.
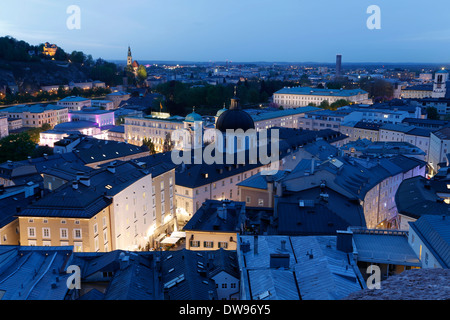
x=170, y=240
x=178, y=234
x=160, y=237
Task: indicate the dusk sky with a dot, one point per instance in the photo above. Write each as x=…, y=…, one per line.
x=238, y=30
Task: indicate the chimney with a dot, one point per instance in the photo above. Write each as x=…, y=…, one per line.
x=270, y=189
x=283, y=245
x=245, y=247
x=124, y=261
x=75, y=185
x=45, y=156
x=111, y=168
x=222, y=212
x=29, y=159
x=79, y=175
x=312, y=165
x=86, y=181
x=344, y=241
x=255, y=245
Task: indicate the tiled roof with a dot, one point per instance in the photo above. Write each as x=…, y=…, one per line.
x=321, y=92
x=435, y=232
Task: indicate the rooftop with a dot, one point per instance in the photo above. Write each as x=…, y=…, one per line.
x=434, y=231
x=416, y=197
x=313, y=270
x=321, y=92
x=384, y=246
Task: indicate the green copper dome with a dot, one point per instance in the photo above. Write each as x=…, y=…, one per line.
x=192, y=117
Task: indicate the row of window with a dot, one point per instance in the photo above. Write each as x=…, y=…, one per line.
x=208, y=244
x=46, y=233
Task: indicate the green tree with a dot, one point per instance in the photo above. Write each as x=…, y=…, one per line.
x=77, y=57
x=141, y=73
x=432, y=113
x=60, y=55
x=149, y=143
x=324, y=104
x=304, y=80
x=168, y=144
x=339, y=103
x=16, y=147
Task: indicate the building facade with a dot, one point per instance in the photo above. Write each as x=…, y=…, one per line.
x=302, y=96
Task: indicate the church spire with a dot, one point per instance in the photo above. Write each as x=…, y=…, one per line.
x=129, y=58
x=235, y=100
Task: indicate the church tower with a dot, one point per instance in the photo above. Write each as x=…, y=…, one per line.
x=440, y=84
x=130, y=58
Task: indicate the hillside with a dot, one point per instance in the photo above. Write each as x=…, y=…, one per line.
x=30, y=67
x=30, y=76
x=416, y=284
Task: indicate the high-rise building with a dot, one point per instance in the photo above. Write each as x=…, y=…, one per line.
x=338, y=65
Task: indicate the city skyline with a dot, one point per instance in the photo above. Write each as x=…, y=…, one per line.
x=237, y=31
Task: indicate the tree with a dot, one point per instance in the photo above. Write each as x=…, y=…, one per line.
x=304, y=80
x=379, y=90
x=60, y=55
x=432, y=113
x=150, y=145
x=339, y=103
x=16, y=147
x=168, y=144
x=141, y=74
x=77, y=57
x=324, y=104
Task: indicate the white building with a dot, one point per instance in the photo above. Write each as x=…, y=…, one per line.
x=428, y=237
x=4, y=130
x=302, y=96
x=101, y=117
x=440, y=84
x=105, y=104
x=74, y=103
x=439, y=148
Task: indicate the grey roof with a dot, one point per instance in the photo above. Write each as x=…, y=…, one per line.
x=73, y=126
x=9, y=207
x=384, y=246
x=185, y=277
x=434, y=231
x=135, y=282
x=91, y=150
x=321, y=92
x=259, y=181
x=326, y=276
x=155, y=164
x=266, y=115
x=368, y=125
x=358, y=176
x=87, y=201
x=316, y=216
x=29, y=273
x=416, y=197
x=207, y=218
